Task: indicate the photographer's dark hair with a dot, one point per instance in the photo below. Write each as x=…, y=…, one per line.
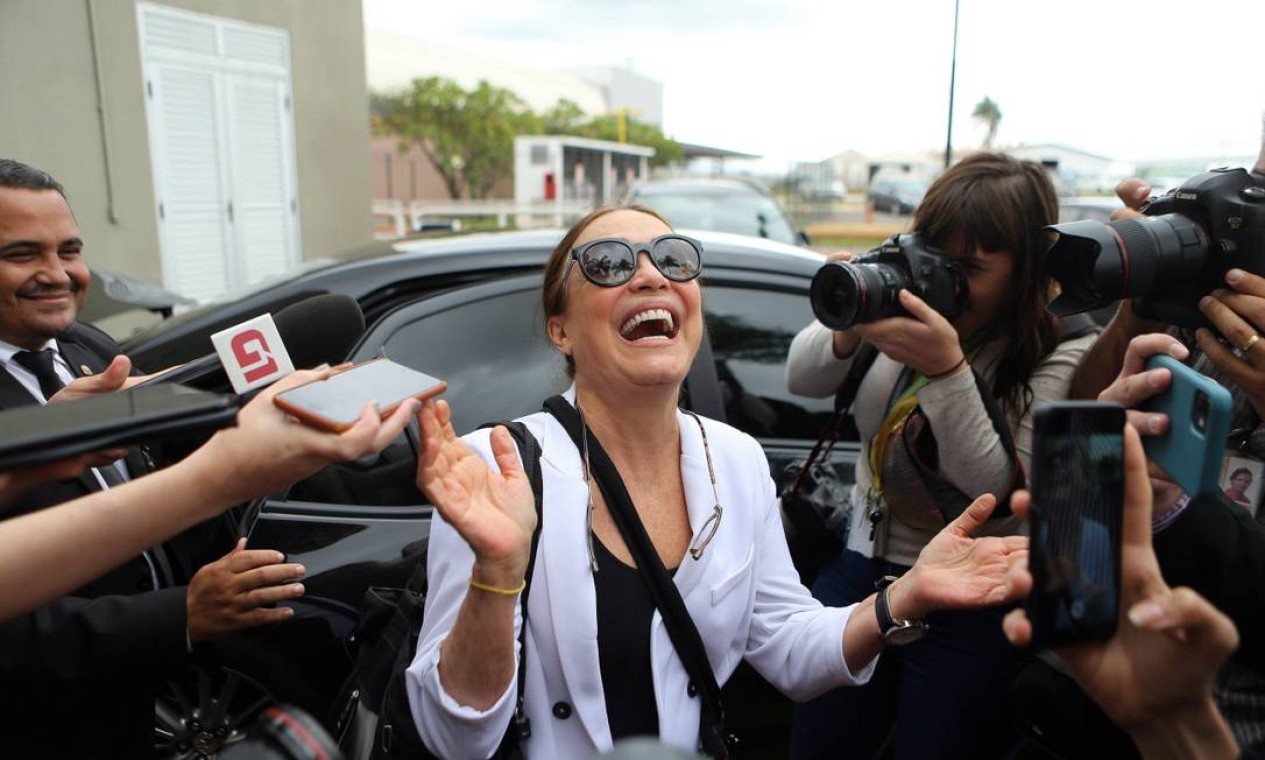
x=995, y=202
x=20, y=176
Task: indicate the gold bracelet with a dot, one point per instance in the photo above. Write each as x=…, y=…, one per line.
x=950, y=371
x=498, y=589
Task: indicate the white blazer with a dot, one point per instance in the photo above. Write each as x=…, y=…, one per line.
x=743, y=594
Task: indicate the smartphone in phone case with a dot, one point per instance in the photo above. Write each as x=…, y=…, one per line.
x=1077, y=521
x=1199, y=410
x=334, y=403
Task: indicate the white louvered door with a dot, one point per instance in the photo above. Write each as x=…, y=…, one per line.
x=222, y=145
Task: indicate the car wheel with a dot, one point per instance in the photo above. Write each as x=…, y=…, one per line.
x=197, y=717
x=222, y=694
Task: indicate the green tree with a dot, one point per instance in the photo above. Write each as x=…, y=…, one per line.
x=606, y=127
x=988, y=112
x=467, y=136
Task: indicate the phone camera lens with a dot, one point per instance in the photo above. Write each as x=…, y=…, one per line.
x=1199, y=411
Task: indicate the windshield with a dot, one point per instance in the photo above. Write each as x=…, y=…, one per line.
x=752, y=215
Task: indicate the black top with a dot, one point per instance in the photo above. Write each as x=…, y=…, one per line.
x=624, y=612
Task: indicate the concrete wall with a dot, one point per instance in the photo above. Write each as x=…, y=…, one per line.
x=48, y=75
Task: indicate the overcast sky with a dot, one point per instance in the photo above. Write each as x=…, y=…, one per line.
x=805, y=79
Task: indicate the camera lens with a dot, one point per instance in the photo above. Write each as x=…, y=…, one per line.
x=844, y=294
x=1097, y=264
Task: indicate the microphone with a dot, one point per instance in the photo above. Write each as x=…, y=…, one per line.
x=317, y=330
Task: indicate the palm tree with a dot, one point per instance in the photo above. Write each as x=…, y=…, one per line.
x=987, y=111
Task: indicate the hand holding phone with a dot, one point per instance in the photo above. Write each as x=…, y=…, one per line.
x=1077, y=510
x=334, y=404
x=1199, y=410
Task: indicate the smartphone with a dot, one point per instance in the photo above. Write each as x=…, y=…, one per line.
x=1077, y=511
x=1199, y=410
x=31, y=435
x=334, y=403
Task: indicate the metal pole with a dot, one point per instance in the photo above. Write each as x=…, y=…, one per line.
x=953, y=70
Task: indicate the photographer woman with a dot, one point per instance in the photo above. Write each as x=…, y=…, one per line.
x=945, y=694
x=600, y=663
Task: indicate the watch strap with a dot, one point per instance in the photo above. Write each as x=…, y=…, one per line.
x=883, y=612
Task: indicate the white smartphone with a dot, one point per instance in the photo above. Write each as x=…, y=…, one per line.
x=334, y=403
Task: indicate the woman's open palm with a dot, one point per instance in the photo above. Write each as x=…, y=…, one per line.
x=494, y=512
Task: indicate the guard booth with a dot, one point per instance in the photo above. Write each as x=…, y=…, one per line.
x=573, y=175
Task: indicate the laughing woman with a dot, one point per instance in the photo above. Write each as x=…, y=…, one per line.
x=600, y=663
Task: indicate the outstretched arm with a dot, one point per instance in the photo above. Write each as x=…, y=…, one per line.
x=953, y=571
x=495, y=514
x=73, y=543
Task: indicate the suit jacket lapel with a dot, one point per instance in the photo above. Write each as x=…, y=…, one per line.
x=571, y=594
x=699, y=501
x=82, y=361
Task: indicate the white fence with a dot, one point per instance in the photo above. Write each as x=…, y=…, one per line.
x=395, y=219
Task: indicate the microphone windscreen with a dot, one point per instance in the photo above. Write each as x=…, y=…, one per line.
x=321, y=329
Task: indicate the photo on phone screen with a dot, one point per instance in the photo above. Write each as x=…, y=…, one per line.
x=1077, y=511
x=335, y=403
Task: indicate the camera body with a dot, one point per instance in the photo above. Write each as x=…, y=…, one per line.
x=847, y=293
x=1168, y=260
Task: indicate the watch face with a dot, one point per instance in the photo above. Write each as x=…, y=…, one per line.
x=906, y=634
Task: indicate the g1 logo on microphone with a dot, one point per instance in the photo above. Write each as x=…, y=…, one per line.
x=252, y=353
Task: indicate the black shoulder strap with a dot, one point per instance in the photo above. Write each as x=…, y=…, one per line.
x=676, y=617
x=529, y=452
x=862, y=360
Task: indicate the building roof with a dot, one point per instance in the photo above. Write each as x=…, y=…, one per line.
x=692, y=150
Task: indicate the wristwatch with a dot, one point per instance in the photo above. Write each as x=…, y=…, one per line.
x=895, y=632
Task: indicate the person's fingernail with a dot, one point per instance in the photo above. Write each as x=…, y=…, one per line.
x=1146, y=614
x=1141, y=192
x=296, y=589
x=300, y=570
x=1205, y=302
x=1155, y=425
x=321, y=367
x=1234, y=275
x=1178, y=350
x=287, y=611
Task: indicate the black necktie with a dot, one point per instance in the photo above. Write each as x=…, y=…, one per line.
x=40, y=364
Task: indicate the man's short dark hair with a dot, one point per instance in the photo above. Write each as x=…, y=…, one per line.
x=20, y=176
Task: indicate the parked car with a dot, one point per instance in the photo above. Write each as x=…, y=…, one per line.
x=722, y=204
x=897, y=195
x=466, y=310
x=1092, y=208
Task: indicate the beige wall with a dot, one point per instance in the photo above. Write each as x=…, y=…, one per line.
x=49, y=117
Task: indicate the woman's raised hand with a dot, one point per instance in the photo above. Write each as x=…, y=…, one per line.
x=494, y=512
x=924, y=340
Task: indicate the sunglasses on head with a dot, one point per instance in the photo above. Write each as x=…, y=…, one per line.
x=609, y=262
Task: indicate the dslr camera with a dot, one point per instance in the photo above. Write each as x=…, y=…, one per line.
x=847, y=293
x=1168, y=260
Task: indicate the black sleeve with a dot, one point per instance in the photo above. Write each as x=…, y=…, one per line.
x=76, y=638
x=1217, y=549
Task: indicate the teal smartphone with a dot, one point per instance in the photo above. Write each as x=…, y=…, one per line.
x=1198, y=410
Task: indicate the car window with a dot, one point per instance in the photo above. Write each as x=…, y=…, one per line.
x=753, y=215
x=498, y=365
x=493, y=353
x=751, y=332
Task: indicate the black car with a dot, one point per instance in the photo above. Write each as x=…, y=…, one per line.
x=897, y=195
x=722, y=204
x=466, y=310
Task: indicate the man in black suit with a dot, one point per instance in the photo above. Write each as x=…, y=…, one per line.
x=80, y=676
